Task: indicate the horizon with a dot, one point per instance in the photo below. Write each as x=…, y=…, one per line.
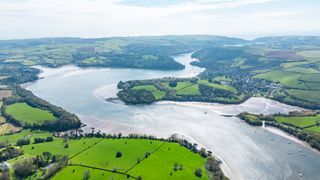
x=246, y=19
x=213, y=35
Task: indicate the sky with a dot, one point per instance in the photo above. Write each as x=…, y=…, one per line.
x=105, y=18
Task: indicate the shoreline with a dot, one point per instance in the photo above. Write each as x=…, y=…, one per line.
x=113, y=127
x=290, y=137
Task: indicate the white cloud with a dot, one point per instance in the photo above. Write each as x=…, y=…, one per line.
x=94, y=18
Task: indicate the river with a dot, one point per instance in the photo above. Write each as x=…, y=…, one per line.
x=247, y=152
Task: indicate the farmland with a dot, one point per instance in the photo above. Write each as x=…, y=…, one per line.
x=146, y=158
x=194, y=89
x=29, y=115
x=305, y=125
x=301, y=122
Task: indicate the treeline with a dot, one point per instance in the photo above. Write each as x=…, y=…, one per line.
x=128, y=60
x=207, y=93
x=50, y=164
x=256, y=120
x=17, y=73
x=311, y=138
x=212, y=164
x=65, y=120
x=141, y=96
x=294, y=101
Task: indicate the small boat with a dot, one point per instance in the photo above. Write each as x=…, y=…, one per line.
x=300, y=174
x=290, y=152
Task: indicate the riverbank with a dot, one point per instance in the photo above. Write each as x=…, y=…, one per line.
x=112, y=127
x=248, y=154
x=288, y=136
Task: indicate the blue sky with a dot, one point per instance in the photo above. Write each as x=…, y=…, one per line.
x=105, y=18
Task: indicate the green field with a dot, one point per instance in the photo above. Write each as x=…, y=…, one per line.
x=311, y=78
x=299, y=121
x=76, y=173
x=146, y=87
x=315, y=129
x=287, y=78
x=293, y=64
x=190, y=90
x=27, y=114
x=92, y=157
x=312, y=96
x=24, y=134
x=217, y=86
x=98, y=156
x=311, y=55
x=180, y=85
x=157, y=93
x=166, y=157
x=158, y=165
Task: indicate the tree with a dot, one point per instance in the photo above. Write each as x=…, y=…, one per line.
x=49, y=139
x=66, y=145
x=173, y=83
x=203, y=152
x=24, y=168
x=198, y=172
x=118, y=154
x=23, y=141
x=86, y=175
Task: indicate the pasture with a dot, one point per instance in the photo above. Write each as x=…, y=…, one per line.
x=158, y=94
x=314, y=129
x=29, y=115
x=299, y=121
x=309, y=95
x=150, y=159
x=287, y=78
x=189, y=90
x=217, y=86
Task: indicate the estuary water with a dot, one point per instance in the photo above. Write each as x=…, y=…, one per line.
x=247, y=152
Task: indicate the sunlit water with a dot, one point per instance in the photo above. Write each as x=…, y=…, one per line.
x=248, y=152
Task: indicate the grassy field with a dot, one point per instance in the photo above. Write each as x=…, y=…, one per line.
x=57, y=146
x=168, y=155
x=287, y=78
x=76, y=173
x=299, y=121
x=157, y=93
x=92, y=157
x=293, y=64
x=311, y=78
x=24, y=134
x=190, y=90
x=311, y=55
x=217, y=86
x=98, y=156
x=146, y=87
x=315, y=129
x=158, y=165
x=312, y=96
x=27, y=114
x=180, y=85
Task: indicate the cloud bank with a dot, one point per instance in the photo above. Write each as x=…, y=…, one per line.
x=104, y=18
